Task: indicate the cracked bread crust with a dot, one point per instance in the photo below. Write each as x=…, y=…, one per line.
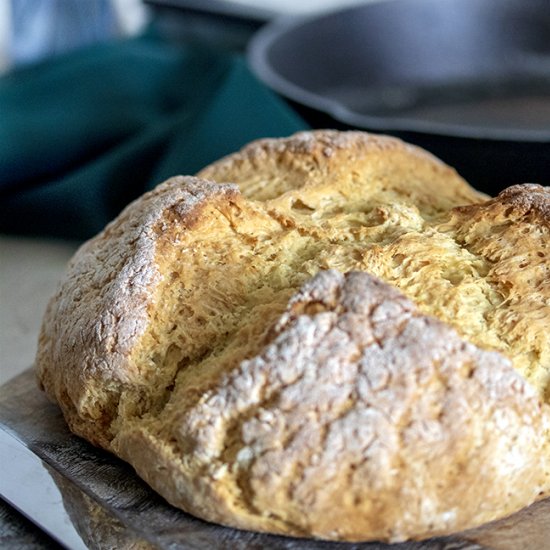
x=159, y=315
x=268, y=168
x=85, y=363
x=361, y=418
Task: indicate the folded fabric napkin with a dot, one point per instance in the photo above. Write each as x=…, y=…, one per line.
x=84, y=134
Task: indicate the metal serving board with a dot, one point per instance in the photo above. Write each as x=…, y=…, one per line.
x=85, y=498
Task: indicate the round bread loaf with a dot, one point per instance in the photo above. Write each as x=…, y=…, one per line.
x=330, y=335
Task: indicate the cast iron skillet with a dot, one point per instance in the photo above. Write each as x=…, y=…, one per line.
x=468, y=80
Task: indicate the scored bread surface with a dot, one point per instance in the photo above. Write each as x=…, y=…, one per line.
x=329, y=335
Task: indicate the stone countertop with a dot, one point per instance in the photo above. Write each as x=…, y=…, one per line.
x=29, y=272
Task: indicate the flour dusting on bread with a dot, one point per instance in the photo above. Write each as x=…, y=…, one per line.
x=330, y=335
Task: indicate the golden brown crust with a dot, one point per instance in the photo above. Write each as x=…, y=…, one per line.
x=518, y=270
x=98, y=315
x=266, y=168
x=362, y=418
x=528, y=201
x=173, y=343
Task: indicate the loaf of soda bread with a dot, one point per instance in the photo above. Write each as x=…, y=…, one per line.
x=330, y=335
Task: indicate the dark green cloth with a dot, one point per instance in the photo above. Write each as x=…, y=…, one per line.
x=82, y=135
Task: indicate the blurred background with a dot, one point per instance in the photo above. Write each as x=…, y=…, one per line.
x=31, y=30
x=100, y=100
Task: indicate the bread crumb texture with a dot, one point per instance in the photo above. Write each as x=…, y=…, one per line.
x=330, y=335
